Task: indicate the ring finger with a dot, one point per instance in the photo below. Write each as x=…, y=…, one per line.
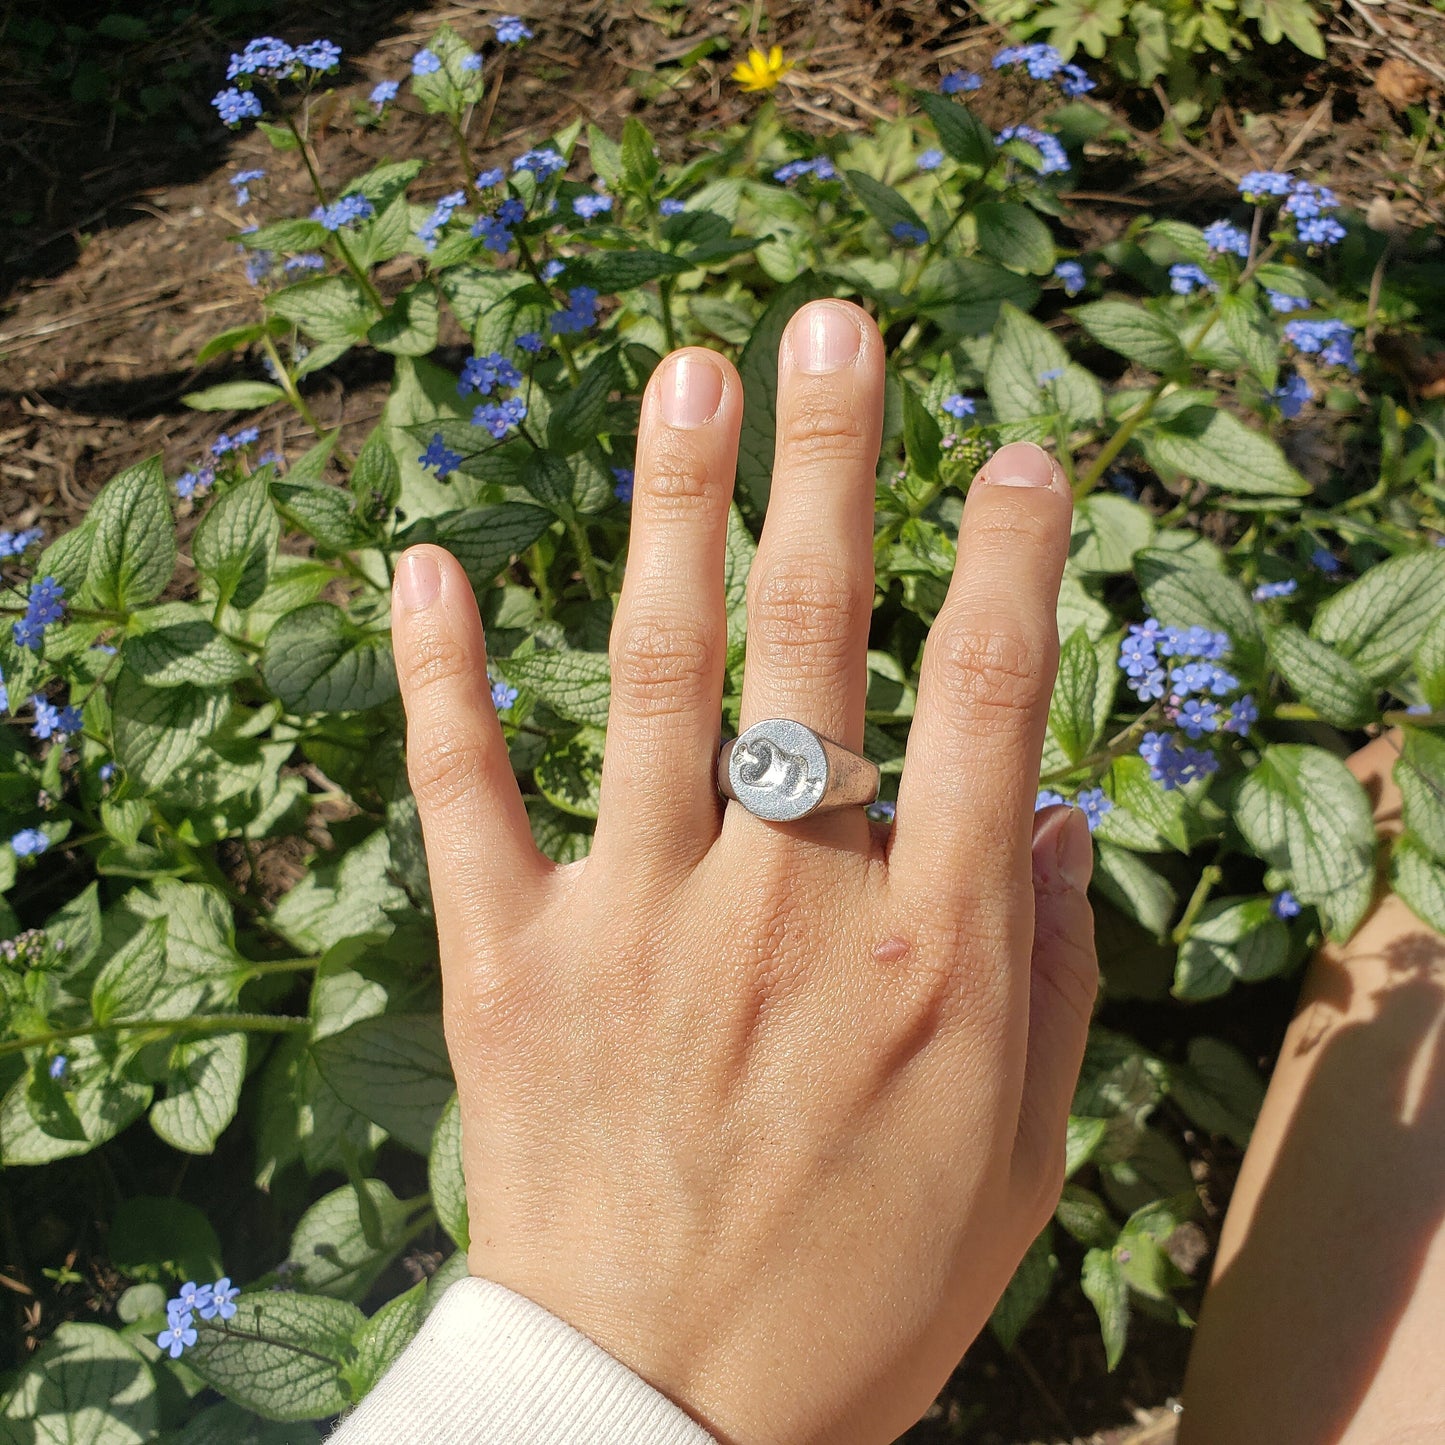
x=810, y=593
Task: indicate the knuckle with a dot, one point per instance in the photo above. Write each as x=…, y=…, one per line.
x=445, y=767
x=819, y=428
x=435, y=659
x=658, y=666
x=993, y=667
x=1010, y=526
x=676, y=476
x=810, y=608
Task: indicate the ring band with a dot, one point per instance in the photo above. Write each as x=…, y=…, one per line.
x=782, y=771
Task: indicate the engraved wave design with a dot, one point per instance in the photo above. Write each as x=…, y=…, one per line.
x=763, y=765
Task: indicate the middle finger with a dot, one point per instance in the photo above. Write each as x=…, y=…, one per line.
x=810, y=592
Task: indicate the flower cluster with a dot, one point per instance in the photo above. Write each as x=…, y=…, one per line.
x=198, y=480
x=31, y=948
x=1043, y=62
x=1071, y=273
x=53, y=722
x=495, y=231
x=210, y=1301
x=15, y=544
x=1092, y=802
x=622, y=483
x=589, y=207
x=484, y=374
x=1283, y=302
x=1292, y=395
x=225, y=444
x=908, y=234
x=347, y=211
x=542, y=161
x=579, y=314
x=820, y=167
x=503, y=693
x=1181, y=667
x=1332, y=341
x=440, y=456
x=511, y=30
x=436, y=223
x=44, y=605
x=499, y=417
x=1049, y=147
x=241, y=184
x=383, y=93
x=267, y=58
x=959, y=405
x=930, y=160
x=1311, y=206
x=1270, y=591
x=29, y=843
x=958, y=81
x=1185, y=278
x=1226, y=239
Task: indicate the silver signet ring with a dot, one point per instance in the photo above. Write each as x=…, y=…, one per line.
x=782, y=771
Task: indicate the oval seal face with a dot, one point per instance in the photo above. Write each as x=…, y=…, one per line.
x=778, y=770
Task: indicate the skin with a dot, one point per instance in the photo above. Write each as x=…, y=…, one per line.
x=768, y=1111
x=1325, y=1318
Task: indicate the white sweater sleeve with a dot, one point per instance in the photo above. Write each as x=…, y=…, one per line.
x=491, y=1368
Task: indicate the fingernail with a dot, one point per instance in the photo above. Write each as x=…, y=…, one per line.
x=1074, y=851
x=418, y=580
x=824, y=338
x=692, y=390
x=1020, y=464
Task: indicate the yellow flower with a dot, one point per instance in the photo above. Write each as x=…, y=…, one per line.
x=762, y=72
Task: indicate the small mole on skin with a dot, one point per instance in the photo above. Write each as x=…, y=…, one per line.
x=891, y=949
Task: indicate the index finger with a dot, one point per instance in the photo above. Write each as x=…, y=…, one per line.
x=972, y=768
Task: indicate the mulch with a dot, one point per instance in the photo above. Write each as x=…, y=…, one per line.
x=130, y=266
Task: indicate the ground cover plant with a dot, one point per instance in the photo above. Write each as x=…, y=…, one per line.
x=201, y=670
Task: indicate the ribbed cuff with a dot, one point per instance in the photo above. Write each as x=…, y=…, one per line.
x=490, y=1366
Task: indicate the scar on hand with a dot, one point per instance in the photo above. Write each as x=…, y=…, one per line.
x=891, y=949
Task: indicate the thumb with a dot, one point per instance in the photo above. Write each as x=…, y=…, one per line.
x=1064, y=978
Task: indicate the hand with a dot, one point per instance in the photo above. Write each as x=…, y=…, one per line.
x=769, y=1111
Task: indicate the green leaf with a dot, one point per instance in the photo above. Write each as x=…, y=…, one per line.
x=966, y=138
x=1135, y=888
x=1082, y=1137
x=228, y=1424
x=293, y=234
x=758, y=367
x=575, y=685
x=102, y=1105
x=1304, y=813
x=577, y=418
x=1103, y=1284
x=1430, y=664
x=1181, y=593
x=1231, y=939
x=158, y=729
x=1026, y=1292
x=1420, y=774
x=376, y=477
x=1219, y=1089
x=282, y=1355
x=1108, y=532
x=154, y=1237
x=388, y=1332
x=1214, y=447
x=236, y=542
x=130, y=975
x=453, y=86
x=330, y=308
x=78, y=923
x=323, y=512
x=179, y=646
x=410, y=327
x=67, y=558
x=1014, y=236
x=1378, y=621
x=203, y=1091
x=392, y=1070
x=1023, y=351
x=569, y=774
x=340, y=1248
x=444, y=1175
x=640, y=166
x=883, y=203
x=342, y=899
x=1420, y=881
x=612, y=271
x=484, y=539
x=133, y=552
x=962, y=295
x=1251, y=338
x=1133, y=332
x=1085, y=1217
x=922, y=436
x=234, y=396
x=86, y=1386
x=1072, y=712
x=1319, y=676
x=318, y=660
x=492, y=305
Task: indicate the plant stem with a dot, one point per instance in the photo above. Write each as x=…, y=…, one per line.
x=279, y=965
x=469, y=171
x=537, y=567
x=196, y=1024
x=529, y=261
x=293, y=395
x=1207, y=879
x=669, y=331
x=596, y=588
